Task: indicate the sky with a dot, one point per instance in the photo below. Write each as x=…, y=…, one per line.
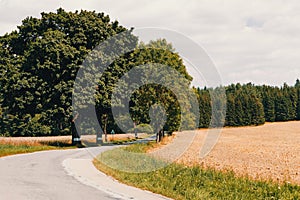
x=256, y=41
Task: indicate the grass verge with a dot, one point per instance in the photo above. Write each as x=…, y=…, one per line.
x=10, y=148
x=194, y=183
x=121, y=141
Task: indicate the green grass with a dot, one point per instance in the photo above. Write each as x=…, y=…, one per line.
x=133, y=160
x=119, y=142
x=181, y=182
x=7, y=149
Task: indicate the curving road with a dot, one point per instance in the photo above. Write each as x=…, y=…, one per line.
x=59, y=175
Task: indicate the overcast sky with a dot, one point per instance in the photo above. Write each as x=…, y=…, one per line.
x=256, y=41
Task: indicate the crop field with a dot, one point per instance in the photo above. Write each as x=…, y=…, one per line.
x=268, y=152
x=226, y=173
x=17, y=145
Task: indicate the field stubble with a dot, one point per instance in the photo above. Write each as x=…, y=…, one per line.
x=268, y=152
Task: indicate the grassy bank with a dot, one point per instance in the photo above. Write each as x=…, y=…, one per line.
x=180, y=182
x=10, y=147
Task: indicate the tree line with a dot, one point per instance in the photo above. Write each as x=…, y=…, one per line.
x=253, y=105
x=39, y=63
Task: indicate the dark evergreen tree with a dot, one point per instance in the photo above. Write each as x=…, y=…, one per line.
x=268, y=100
x=297, y=87
x=204, y=107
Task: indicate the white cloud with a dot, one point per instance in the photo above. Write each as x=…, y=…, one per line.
x=253, y=41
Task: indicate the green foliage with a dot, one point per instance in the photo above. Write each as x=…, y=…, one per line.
x=130, y=160
x=204, y=107
x=161, y=52
x=38, y=65
x=244, y=106
x=143, y=98
x=253, y=105
x=285, y=106
x=40, y=60
x=268, y=100
x=35, y=128
x=142, y=128
x=280, y=104
x=297, y=86
x=243, y=102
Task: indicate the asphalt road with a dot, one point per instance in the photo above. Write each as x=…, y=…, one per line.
x=43, y=176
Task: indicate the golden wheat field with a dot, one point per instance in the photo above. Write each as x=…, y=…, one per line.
x=271, y=151
x=36, y=141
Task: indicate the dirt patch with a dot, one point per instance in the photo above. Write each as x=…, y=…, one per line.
x=271, y=151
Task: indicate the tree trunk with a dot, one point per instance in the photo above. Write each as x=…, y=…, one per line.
x=105, y=125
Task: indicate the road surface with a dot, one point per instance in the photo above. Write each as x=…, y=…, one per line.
x=60, y=175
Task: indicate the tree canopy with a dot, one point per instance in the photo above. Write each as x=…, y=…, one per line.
x=40, y=60
x=253, y=105
x=38, y=66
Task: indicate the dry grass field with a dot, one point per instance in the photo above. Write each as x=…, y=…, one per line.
x=271, y=151
x=34, y=141
x=66, y=139
x=17, y=145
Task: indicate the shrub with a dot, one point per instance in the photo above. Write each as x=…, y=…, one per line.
x=143, y=128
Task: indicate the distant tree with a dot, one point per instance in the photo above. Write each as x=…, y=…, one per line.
x=160, y=52
x=268, y=100
x=286, y=103
x=204, y=107
x=297, y=87
x=244, y=106
x=231, y=113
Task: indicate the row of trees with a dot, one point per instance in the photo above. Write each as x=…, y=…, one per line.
x=253, y=105
x=39, y=63
x=38, y=66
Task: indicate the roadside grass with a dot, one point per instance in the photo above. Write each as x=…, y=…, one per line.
x=17, y=147
x=193, y=183
x=134, y=160
x=119, y=141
